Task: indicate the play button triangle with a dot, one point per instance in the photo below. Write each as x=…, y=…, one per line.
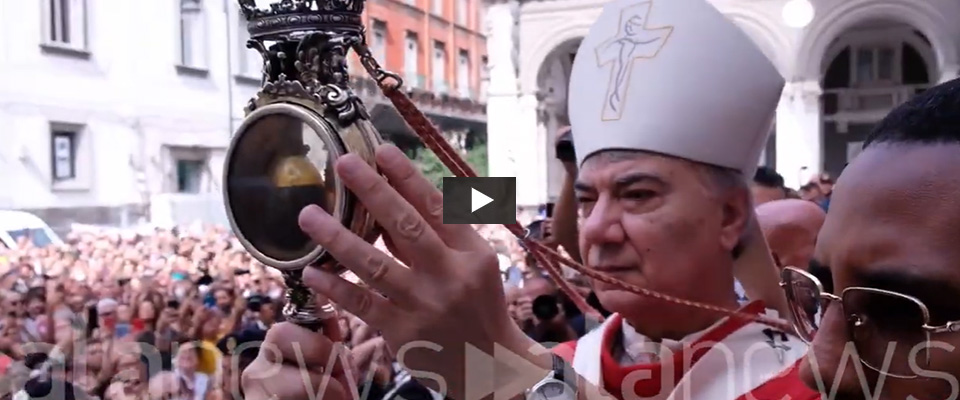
x=478, y=200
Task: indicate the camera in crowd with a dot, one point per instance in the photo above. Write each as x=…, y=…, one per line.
x=255, y=302
x=564, y=148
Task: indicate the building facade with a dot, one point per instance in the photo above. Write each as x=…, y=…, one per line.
x=114, y=112
x=846, y=63
x=439, y=49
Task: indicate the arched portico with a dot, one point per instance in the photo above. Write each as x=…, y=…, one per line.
x=549, y=35
x=856, y=61
x=802, y=55
x=924, y=16
x=560, y=38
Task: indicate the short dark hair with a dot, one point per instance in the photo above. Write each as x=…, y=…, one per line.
x=43, y=387
x=767, y=177
x=932, y=117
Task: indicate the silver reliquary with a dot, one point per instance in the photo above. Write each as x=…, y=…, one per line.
x=303, y=118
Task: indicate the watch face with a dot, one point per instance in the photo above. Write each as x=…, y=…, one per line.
x=553, y=390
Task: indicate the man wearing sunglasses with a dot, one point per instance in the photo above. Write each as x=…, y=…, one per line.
x=891, y=327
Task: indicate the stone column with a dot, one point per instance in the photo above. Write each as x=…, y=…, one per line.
x=553, y=167
x=527, y=149
x=799, y=140
x=544, y=121
x=502, y=93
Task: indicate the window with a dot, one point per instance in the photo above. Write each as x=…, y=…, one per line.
x=193, y=33
x=439, y=67
x=188, y=169
x=65, y=23
x=875, y=65
x=484, y=78
x=411, y=60
x=437, y=7
x=189, y=175
x=63, y=145
x=378, y=45
x=71, y=157
x=462, y=6
x=463, y=74
x=251, y=62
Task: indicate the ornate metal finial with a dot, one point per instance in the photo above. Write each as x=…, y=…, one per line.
x=307, y=55
x=291, y=16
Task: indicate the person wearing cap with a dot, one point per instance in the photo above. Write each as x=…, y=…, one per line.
x=106, y=318
x=665, y=153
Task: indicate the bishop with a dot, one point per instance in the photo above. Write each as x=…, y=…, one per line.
x=666, y=143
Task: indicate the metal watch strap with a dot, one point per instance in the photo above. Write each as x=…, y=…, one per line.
x=563, y=371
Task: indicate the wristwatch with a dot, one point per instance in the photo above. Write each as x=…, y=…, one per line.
x=559, y=384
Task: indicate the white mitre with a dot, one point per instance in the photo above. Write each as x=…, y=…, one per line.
x=674, y=77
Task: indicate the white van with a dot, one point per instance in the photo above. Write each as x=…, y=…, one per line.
x=16, y=224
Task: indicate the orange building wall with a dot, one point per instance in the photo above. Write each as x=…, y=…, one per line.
x=400, y=17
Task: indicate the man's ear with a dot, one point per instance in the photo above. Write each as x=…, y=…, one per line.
x=737, y=209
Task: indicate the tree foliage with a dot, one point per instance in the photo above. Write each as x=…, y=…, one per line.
x=433, y=168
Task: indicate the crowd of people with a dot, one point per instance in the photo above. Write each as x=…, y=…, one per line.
x=121, y=310
x=740, y=302
x=166, y=309
x=137, y=315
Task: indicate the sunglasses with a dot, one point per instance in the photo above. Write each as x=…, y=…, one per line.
x=890, y=331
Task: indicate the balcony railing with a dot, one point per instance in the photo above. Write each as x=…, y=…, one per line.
x=429, y=101
x=859, y=100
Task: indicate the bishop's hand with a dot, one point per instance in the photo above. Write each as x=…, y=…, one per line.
x=448, y=296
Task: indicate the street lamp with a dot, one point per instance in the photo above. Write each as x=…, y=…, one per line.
x=797, y=13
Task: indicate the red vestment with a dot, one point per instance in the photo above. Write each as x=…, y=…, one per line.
x=744, y=360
